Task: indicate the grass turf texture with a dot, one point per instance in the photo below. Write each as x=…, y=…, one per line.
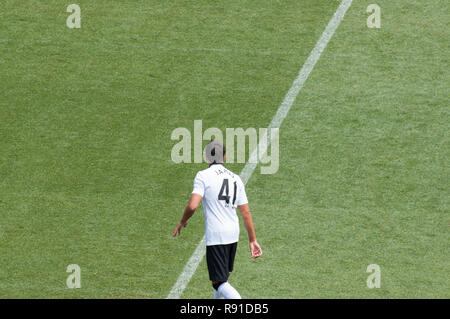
x=85, y=169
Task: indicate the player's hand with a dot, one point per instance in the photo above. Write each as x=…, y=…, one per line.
x=255, y=249
x=178, y=229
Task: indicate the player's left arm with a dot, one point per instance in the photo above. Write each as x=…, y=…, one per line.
x=255, y=249
x=242, y=205
x=192, y=205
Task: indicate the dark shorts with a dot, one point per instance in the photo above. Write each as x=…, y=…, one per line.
x=220, y=260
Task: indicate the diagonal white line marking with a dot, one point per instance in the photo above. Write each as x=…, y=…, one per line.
x=283, y=110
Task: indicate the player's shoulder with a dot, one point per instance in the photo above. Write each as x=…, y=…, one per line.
x=201, y=173
x=233, y=175
x=204, y=173
x=238, y=178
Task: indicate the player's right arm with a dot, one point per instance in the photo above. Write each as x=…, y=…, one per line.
x=255, y=249
x=191, y=206
x=194, y=201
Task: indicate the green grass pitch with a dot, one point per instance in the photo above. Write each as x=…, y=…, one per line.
x=86, y=175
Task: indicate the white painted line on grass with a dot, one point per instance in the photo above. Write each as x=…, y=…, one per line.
x=283, y=109
x=188, y=270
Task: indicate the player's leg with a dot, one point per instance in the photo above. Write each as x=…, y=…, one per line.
x=218, y=261
x=217, y=273
x=227, y=290
x=216, y=285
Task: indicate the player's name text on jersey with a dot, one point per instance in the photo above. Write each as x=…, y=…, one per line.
x=220, y=171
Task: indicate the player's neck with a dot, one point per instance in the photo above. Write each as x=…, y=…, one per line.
x=215, y=164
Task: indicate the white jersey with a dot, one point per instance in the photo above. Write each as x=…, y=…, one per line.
x=222, y=192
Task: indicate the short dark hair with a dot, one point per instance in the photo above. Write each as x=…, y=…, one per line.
x=215, y=152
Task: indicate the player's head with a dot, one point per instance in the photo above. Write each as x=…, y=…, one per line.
x=215, y=152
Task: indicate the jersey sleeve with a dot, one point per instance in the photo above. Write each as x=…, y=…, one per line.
x=199, y=185
x=241, y=197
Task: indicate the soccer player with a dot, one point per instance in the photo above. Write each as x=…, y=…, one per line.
x=221, y=192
